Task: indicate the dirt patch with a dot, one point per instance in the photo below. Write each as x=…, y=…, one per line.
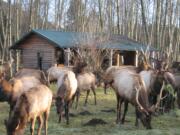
x=109, y=111
x=72, y=115
x=94, y=122
x=85, y=113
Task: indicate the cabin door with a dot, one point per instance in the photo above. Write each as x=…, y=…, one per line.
x=39, y=60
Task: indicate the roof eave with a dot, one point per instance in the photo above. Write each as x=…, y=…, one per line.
x=15, y=46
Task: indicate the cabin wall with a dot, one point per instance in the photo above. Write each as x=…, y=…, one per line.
x=35, y=46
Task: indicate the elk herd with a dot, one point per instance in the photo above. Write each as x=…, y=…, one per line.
x=30, y=98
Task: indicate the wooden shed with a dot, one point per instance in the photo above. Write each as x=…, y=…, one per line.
x=45, y=48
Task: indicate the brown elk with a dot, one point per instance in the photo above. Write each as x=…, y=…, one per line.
x=54, y=72
x=67, y=86
x=86, y=82
x=177, y=78
x=31, y=105
x=168, y=78
x=15, y=87
x=108, y=75
x=135, y=93
x=40, y=75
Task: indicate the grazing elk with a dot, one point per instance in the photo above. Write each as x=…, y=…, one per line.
x=67, y=86
x=86, y=82
x=15, y=87
x=135, y=93
x=54, y=72
x=177, y=79
x=40, y=75
x=109, y=74
x=168, y=78
x=31, y=105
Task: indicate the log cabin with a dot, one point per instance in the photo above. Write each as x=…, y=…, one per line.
x=41, y=49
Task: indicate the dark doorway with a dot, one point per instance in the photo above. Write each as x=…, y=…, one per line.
x=129, y=57
x=39, y=62
x=59, y=56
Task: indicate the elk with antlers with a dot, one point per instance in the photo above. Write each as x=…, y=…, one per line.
x=135, y=93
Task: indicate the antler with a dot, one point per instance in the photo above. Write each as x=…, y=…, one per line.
x=137, y=100
x=160, y=95
x=167, y=59
x=145, y=54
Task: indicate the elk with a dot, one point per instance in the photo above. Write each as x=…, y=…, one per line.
x=31, y=105
x=135, y=93
x=109, y=74
x=177, y=78
x=40, y=75
x=67, y=86
x=86, y=82
x=13, y=88
x=168, y=78
x=54, y=72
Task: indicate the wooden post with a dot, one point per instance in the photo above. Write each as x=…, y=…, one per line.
x=136, y=59
x=111, y=58
x=117, y=58
x=153, y=56
x=67, y=56
x=122, y=59
x=17, y=60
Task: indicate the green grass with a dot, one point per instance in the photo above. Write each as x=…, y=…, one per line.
x=167, y=124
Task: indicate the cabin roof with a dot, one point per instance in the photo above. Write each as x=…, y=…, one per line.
x=74, y=39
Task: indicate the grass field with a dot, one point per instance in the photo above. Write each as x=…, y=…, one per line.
x=167, y=124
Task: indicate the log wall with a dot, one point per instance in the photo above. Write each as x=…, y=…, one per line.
x=33, y=45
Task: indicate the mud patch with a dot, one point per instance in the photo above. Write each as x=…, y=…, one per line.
x=85, y=113
x=108, y=111
x=94, y=122
x=72, y=115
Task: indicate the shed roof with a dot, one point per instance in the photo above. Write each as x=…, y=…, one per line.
x=73, y=39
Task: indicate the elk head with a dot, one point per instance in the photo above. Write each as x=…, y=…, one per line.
x=59, y=106
x=143, y=113
x=13, y=126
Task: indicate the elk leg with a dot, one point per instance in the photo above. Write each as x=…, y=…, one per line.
x=93, y=90
x=46, y=115
x=60, y=117
x=72, y=101
x=11, y=108
x=125, y=111
x=105, y=88
x=137, y=118
x=40, y=121
x=33, y=120
x=87, y=94
x=77, y=98
x=119, y=102
x=178, y=98
x=67, y=112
